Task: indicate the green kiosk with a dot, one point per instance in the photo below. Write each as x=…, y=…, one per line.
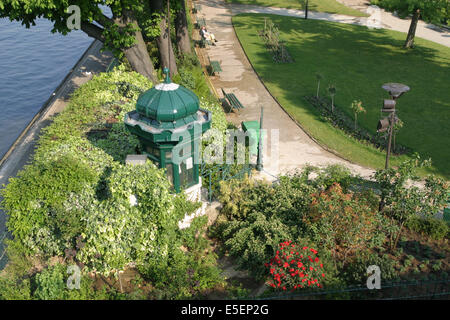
x=169, y=123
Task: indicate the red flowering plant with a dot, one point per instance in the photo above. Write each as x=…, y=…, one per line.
x=295, y=267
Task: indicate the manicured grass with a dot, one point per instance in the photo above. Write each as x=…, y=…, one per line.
x=329, y=6
x=358, y=61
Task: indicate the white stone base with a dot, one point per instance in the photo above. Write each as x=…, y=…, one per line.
x=194, y=194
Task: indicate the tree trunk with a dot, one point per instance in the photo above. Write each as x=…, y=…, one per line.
x=139, y=59
x=412, y=30
x=394, y=246
x=306, y=9
x=163, y=40
x=318, y=87
x=136, y=55
x=183, y=40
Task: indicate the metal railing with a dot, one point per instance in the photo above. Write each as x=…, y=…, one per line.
x=390, y=290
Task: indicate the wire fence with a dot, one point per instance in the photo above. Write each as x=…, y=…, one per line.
x=391, y=290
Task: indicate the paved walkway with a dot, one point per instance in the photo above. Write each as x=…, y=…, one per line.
x=296, y=148
x=390, y=21
x=387, y=19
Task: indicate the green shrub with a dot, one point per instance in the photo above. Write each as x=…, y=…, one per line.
x=254, y=241
x=356, y=270
x=35, y=199
x=334, y=174
x=430, y=226
x=401, y=203
x=49, y=284
x=15, y=289
x=241, y=196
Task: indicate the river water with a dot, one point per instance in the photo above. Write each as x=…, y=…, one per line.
x=33, y=62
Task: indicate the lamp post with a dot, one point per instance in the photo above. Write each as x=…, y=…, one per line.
x=387, y=124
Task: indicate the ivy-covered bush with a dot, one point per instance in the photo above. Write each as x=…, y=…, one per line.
x=35, y=203
x=79, y=201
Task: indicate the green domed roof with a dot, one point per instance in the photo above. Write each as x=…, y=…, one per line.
x=168, y=102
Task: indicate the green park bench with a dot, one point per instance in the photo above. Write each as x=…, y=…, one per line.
x=233, y=102
x=203, y=42
x=200, y=22
x=214, y=66
x=197, y=8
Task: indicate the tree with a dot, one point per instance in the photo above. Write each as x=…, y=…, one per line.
x=181, y=26
x=332, y=92
x=433, y=11
x=357, y=108
x=400, y=203
x=318, y=77
x=305, y=5
x=159, y=12
x=120, y=33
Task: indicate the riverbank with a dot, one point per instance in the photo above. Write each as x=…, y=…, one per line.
x=92, y=62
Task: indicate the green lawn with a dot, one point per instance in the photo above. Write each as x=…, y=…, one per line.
x=329, y=6
x=358, y=61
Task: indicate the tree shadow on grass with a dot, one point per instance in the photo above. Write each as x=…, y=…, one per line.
x=358, y=61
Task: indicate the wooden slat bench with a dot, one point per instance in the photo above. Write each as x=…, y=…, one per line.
x=197, y=8
x=214, y=66
x=200, y=22
x=203, y=42
x=233, y=102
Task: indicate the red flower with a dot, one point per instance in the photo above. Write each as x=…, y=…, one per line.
x=289, y=259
